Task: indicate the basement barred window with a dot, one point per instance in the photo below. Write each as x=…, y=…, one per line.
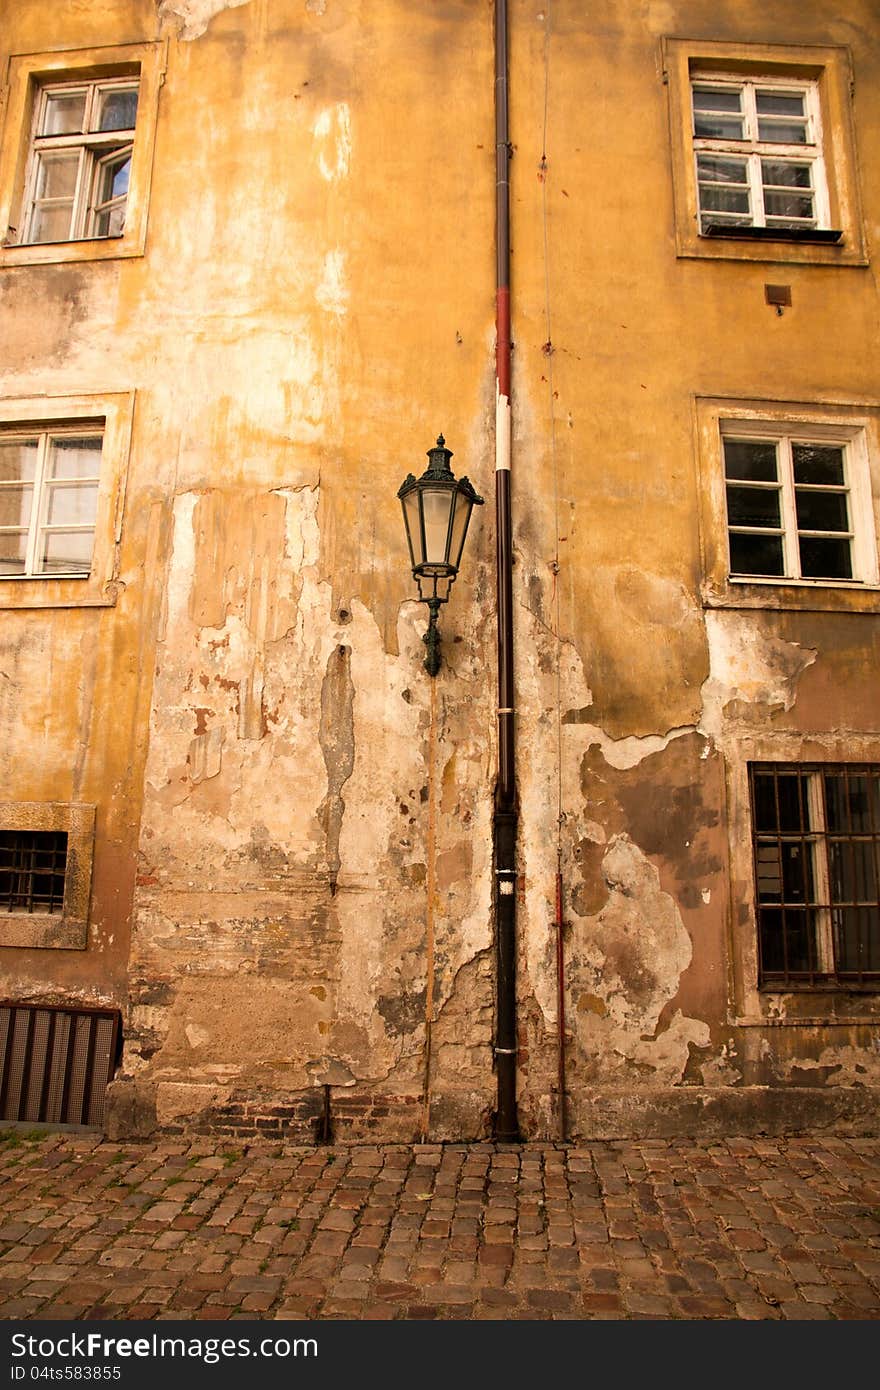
x=55, y=1063
x=33, y=864
x=816, y=844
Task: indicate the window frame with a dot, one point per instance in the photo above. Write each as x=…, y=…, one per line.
x=858, y=428
x=784, y=436
x=30, y=76
x=827, y=71
x=67, y=930
x=42, y=487
x=812, y=846
x=93, y=148
x=753, y=151
x=43, y=415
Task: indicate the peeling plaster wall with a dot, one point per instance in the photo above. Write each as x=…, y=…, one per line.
x=293, y=868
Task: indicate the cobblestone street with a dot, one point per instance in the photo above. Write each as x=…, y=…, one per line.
x=671, y=1229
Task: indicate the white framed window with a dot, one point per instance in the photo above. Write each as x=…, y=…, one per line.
x=80, y=160
x=758, y=153
x=798, y=504
x=763, y=152
x=63, y=478
x=789, y=504
x=49, y=481
x=76, y=153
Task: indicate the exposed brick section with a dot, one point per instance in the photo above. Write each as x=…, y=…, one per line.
x=216, y=1228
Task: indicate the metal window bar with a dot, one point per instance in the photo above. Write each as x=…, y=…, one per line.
x=56, y=1063
x=33, y=865
x=810, y=934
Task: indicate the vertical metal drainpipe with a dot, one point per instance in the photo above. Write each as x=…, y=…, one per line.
x=505, y=817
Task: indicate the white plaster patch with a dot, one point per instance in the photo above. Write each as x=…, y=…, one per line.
x=332, y=131
x=748, y=666
x=331, y=291
x=638, y=948
x=194, y=16
x=183, y=562
x=197, y=1036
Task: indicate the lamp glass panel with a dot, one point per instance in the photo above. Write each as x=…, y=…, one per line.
x=463, y=506
x=413, y=527
x=436, y=503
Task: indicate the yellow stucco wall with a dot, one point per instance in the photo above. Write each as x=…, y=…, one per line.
x=293, y=845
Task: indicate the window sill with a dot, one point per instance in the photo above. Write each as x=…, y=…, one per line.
x=819, y=987
x=818, y=596
x=31, y=592
x=809, y=235
x=42, y=931
x=56, y=252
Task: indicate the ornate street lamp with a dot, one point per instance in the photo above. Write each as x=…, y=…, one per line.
x=436, y=511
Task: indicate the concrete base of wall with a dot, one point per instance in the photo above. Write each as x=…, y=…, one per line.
x=356, y=1117
x=699, y=1112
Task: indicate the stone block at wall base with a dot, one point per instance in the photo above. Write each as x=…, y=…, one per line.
x=708, y=1113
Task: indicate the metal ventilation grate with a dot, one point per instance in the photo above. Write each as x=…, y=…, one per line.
x=55, y=1063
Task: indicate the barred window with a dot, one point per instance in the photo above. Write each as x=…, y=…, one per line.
x=816, y=842
x=33, y=864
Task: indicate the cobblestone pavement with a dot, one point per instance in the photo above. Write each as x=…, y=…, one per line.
x=739, y=1228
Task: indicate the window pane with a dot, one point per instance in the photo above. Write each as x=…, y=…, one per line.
x=722, y=170
x=18, y=460
x=752, y=506
x=786, y=941
x=759, y=555
x=779, y=104
x=769, y=873
x=113, y=182
x=13, y=552
x=797, y=873
x=63, y=113
x=74, y=457
x=790, y=792
x=783, y=132
x=857, y=939
x=56, y=175
x=72, y=505
x=750, y=461
x=800, y=941
x=717, y=114
x=52, y=222
x=110, y=222
x=790, y=205
x=821, y=511
x=825, y=559
x=853, y=803
x=717, y=99
x=717, y=198
x=765, y=802
x=818, y=463
x=15, y=506
x=117, y=110
x=67, y=552
x=780, y=175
